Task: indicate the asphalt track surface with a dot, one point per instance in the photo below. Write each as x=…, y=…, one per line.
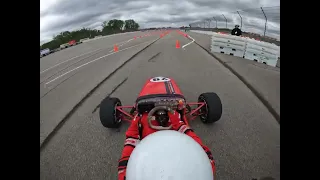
x=65, y=78
x=245, y=142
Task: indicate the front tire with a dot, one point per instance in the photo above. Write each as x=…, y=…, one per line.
x=109, y=116
x=212, y=110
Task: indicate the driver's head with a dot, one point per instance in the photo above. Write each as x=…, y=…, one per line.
x=168, y=154
x=236, y=26
x=162, y=117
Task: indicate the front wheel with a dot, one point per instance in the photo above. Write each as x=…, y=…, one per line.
x=212, y=110
x=109, y=116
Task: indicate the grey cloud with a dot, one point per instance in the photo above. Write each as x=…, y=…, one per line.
x=230, y=5
x=75, y=14
x=74, y=6
x=222, y=18
x=75, y=20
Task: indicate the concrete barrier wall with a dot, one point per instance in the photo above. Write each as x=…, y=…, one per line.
x=244, y=47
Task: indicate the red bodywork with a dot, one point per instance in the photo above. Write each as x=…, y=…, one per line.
x=72, y=42
x=163, y=87
x=154, y=88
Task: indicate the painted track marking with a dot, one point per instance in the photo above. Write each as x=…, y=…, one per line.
x=123, y=43
x=188, y=43
x=68, y=60
x=81, y=55
x=94, y=61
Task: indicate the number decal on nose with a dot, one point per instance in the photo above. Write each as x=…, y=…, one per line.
x=159, y=79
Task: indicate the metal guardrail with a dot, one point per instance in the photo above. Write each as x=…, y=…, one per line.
x=263, y=21
x=246, y=34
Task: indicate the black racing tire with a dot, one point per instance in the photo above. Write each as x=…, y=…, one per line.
x=109, y=116
x=212, y=109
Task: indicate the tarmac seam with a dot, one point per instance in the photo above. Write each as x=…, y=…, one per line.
x=74, y=109
x=113, y=90
x=153, y=57
x=57, y=85
x=253, y=90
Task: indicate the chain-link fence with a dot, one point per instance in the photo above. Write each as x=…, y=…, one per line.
x=260, y=22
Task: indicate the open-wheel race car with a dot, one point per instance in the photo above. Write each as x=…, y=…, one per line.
x=158, y=96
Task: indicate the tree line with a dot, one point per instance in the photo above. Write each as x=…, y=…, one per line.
x=111, y=27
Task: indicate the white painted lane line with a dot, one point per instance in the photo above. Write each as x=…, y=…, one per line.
x=94, y=61
x=108, y=36
x=79, y=56
x=188, y=43
x=123, y=43
x=68, y=60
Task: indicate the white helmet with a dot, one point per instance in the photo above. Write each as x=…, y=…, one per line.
x=168, y=155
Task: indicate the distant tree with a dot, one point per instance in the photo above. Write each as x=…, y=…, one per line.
x=104, y=24
x=116, y=24
x=131, y=25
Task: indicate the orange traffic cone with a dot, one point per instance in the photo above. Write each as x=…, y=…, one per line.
x=115, y=48
x=177, y=44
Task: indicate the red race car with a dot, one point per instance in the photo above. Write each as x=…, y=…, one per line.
x=161, y=94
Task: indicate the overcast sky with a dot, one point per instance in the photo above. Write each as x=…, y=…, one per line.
x=62, y=15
